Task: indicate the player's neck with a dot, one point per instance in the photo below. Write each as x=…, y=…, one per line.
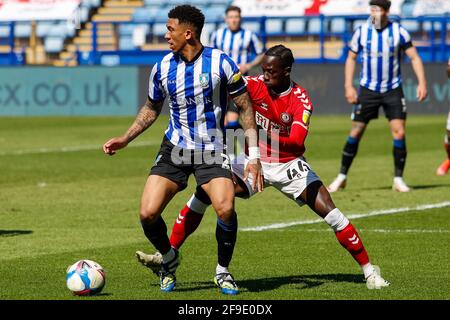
x=191, y=52
x=282, y=88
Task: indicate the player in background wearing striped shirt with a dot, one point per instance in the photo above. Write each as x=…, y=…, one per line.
x=381, y=43
x=197, y=81
x=282, y=112
x=443, y=168
x=243, y=47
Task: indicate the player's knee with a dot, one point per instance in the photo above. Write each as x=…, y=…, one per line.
x=224, y=210
x=148, y=215
x=398, y=133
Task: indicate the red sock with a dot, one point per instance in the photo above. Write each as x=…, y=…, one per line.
x=186, y=223
x=350, y=240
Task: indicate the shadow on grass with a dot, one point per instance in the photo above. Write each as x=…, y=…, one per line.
x=13, y=233
x=267, y=284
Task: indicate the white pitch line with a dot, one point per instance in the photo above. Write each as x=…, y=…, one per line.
x=386, y=230
x=71, y=149
x=351, y=216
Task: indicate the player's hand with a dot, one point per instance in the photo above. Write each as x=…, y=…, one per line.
x=422, y=92
x=254, y=168
x=244, y=68
x=351, y=95
x=114, y=144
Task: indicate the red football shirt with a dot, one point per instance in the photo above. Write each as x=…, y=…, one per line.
x=284, y=118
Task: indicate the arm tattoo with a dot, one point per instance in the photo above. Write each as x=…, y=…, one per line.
x=147, y=115
x=244, y=103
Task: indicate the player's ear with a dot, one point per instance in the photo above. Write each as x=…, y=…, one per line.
x=287, y=70
x=188, y=34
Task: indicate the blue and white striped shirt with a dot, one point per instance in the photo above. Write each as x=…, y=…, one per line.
x=197, y=93
x=381, y=55
x=242, y=46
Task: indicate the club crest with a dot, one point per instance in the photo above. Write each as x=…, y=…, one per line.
x=204, y=80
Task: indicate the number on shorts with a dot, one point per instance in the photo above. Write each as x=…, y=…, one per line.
x=293, y=173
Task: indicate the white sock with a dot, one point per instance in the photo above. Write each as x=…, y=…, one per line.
x=368, y=269
x=196, y=205
x=342, y=176
x=336, y=220
x=220, y=269
x=168, y=256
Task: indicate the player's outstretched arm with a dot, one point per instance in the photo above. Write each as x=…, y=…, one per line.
x=147, y=115
x=244, y=103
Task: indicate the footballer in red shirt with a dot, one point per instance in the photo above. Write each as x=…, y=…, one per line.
x=282, y=111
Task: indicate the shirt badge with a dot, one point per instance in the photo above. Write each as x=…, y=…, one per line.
x=204, y=80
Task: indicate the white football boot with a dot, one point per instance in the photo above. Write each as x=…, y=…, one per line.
x=151, y=261
x=339, y=183
x=400, y=185
x=375, y=281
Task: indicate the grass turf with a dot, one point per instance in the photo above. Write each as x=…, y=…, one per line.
x=59, y=205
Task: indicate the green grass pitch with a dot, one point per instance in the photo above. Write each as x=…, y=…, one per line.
x=62, y=199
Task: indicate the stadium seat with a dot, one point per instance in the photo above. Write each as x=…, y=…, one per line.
x=126, y=43
x=251, y=25
x=159, y=29
x=274, y=26
x=295, y=26
x=4, y=31
x=145, y=14
x=214, y=12
x=337, y=25
x=22, y=29
x=410, y=25
x=408, y=8
x=427, y=26
x=53, y=44
x=44, y=27
x=314, y=25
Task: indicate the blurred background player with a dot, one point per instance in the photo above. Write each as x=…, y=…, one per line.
x=443, y=168
x=196, y=104
x=381, y=42
x=242, y=46
x=282, y=109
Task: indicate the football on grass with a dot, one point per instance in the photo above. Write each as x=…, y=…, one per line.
x=85, y=277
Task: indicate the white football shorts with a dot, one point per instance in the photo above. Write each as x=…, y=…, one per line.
x=290, y=178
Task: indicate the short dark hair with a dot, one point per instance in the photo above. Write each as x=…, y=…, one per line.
x=280, y=51
x=385, y=4
x=189, y=15
x=233, y=8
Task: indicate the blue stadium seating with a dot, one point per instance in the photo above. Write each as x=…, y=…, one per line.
x=295, y=26
x=338, y=25
x=274, y=26
x=53, y=44
x=126, y=43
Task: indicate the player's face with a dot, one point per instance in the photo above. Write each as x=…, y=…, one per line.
x=378, y=16
x=176, y=35
x=276, y=76
x=233, y=20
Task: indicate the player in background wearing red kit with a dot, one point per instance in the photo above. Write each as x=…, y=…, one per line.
x=282, y=109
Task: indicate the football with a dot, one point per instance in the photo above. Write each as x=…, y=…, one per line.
x=85, y=277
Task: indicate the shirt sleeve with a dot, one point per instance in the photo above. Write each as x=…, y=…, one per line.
x=212, y=39
x=300, y=124
x=155, y=89
x=235, y=82
x=405, y=39
x=355, y=43
x=256, y=44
